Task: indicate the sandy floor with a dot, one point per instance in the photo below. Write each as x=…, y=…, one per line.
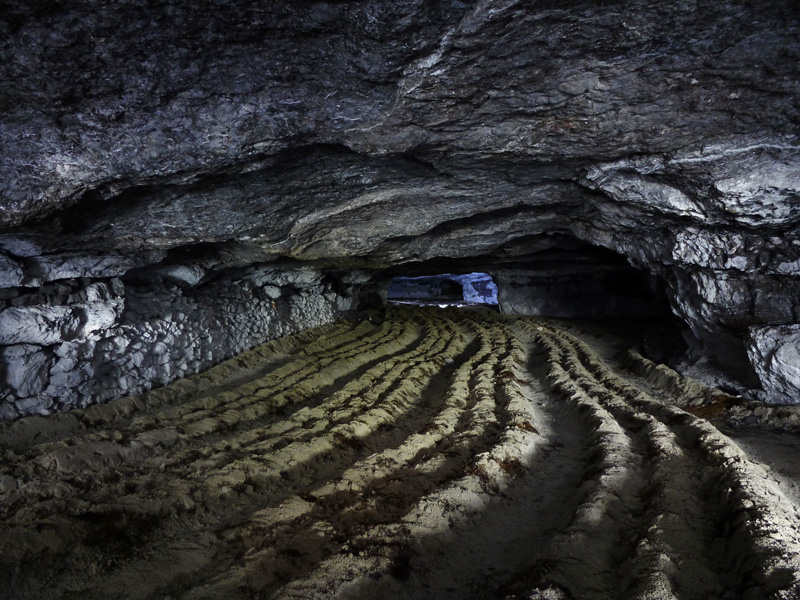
x=439, y=454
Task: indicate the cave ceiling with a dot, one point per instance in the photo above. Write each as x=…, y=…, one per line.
x=376, y=133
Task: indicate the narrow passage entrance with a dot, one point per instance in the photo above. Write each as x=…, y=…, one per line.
x=471, y=289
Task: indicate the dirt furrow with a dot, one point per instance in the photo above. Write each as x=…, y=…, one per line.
x=675, y=519
x=34, y=431
x=439, y=454
x=136, y=440
x=486, y=463
x=71, y=491
x=378, y=489
x=300, y=466
x=700, y=519
x=70, y=458
x=591, y=551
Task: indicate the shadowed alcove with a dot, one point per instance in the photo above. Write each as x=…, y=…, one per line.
x=470, y=289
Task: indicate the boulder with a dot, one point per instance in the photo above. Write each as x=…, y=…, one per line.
x=10, y=272
x=25, y=368
x=775, y=354
x=41, y=325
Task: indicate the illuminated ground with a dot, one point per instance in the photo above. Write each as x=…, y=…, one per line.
x=437, y=454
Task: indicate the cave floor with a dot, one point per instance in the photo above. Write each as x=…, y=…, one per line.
x=436, y=454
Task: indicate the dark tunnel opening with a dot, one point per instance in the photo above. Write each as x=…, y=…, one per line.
x=553, y=276
x=447, y=289
x=575, y=280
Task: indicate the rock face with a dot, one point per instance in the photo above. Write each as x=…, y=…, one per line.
x=69, y=354
x=432, y=289
x=183, y=140
x=775, y=352
x=579, y=282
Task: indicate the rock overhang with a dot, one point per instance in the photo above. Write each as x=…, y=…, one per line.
x=180, y=141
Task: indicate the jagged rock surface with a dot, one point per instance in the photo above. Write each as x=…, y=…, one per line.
x=775, y=352
x=376, y=133
x=67, y=353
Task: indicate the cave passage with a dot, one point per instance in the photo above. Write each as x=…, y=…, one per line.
x=577, y=280
x=463, y=438
x=471, y=289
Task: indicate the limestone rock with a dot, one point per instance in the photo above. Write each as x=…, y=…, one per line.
x=775, y=354
x=25, y=368
x=182, y=274
x=98, y=316
x=21, y=246
x=272, y=292
x=38, y=325
x=11, y=274
x=263, y=146
x=71, y=265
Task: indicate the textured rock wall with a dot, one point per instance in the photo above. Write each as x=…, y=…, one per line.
x=81, y=341
x=376, y=133
x=577, y=292
x=432, y=288
x=775, y=352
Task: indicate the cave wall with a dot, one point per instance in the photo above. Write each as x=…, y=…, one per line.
x=378, y=133
x=775, y=353
x=426, y=288
x=578, y=291
x=75, y=342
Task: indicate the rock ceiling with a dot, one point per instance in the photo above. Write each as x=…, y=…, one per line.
x=374, y=133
